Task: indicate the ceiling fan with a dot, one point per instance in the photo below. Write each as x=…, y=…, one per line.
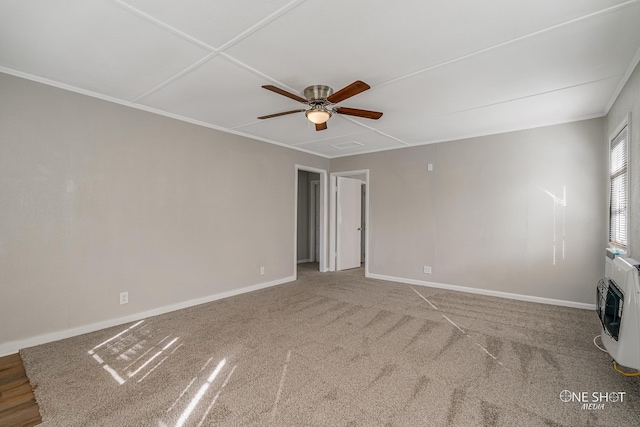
x=321, y=99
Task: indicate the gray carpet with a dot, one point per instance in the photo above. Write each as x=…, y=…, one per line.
x=336, y=349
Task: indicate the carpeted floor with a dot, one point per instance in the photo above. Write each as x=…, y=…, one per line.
x=336, y=349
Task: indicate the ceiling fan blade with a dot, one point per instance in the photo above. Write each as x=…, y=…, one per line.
x=285, y=93
x=375, y=115
x=282, y=114
x=348, y=91
x=321, y=126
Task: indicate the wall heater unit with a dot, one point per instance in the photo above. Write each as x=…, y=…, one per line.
x=618, y=307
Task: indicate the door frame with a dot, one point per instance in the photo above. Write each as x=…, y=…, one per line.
x=314, y=186
x=332, y=217
x=324, y=213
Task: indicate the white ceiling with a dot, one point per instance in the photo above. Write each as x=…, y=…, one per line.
x=439, y=70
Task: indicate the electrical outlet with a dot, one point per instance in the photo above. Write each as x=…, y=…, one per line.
x=430, y=167
x=124, y=297
x=426, y=269
x=262, y=270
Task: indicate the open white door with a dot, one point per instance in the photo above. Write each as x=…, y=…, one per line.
x=349, y=221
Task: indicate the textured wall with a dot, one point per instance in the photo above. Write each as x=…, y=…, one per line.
x=629, y=102
x=97, y=198
x=521, y=212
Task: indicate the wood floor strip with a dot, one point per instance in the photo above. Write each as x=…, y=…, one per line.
x=18, y=390
x=10, y=385
x=9, y=373
x=25, y=415
x=18, y=406
x=15, y=357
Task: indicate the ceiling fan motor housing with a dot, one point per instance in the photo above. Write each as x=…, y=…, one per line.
x=318, y=94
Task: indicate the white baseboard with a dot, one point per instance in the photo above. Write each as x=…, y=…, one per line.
x=14, y=346
x=302, y=261
x=500, y=294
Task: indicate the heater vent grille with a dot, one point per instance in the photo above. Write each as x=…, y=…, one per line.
x=609, y=301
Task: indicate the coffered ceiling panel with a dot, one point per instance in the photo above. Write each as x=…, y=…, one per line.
x=213, y=22
x=539, y=110
x=438, y=70
x=384, y=40
x=352, y=144
x=92, y=45
x=221, y=93
x=555, y=60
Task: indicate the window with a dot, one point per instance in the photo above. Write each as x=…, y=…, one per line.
x=618, y=193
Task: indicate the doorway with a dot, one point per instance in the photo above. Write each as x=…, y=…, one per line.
x=349, y=219
x=311, y=219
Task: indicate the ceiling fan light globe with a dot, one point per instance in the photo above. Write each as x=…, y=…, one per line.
x=318, y=116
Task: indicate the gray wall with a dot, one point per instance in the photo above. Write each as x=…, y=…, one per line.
x=483, y=218
x=97, y=198
x=629, y=102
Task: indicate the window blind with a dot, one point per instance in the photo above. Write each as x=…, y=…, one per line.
x=618, y=193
